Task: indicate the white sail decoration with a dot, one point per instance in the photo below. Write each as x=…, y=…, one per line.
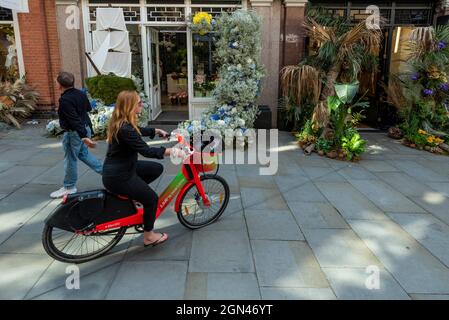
x=112, y=52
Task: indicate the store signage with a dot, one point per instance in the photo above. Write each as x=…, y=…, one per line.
x=16, y=5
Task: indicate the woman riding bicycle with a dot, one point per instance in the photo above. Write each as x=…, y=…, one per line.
x=123, y=174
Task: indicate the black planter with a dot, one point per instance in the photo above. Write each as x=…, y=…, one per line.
x=263, y=121
x=282, y=123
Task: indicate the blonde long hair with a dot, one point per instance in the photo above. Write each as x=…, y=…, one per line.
x=123, y=113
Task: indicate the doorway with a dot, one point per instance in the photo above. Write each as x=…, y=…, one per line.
x=168, y=74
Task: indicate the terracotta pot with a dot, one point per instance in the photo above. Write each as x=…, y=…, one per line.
x=321, y=153
x=412, y=145
x=332, y=154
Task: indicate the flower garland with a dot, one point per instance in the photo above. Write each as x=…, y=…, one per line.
x=238, y=46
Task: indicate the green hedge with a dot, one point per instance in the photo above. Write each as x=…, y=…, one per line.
x=108, y=87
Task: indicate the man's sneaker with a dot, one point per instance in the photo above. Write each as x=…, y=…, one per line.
x=62, y=192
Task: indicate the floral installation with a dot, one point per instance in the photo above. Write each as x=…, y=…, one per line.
x=202, y=23
x=238, y=45
x=422, y=95
x=101, y=113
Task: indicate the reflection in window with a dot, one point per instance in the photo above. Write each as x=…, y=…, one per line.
x=204, y=67
x=9, y=68
x=135, y=42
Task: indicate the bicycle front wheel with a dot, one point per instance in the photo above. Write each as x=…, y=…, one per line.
x=193, y=214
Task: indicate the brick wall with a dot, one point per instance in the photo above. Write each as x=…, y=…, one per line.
x=41, y=55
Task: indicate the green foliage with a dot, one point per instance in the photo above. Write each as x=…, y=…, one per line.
x=308, y=134
x=353, y=145
x=294, y=114
x=108, y=87
x=323, y=145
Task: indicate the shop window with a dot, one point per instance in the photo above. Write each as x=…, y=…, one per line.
x=166, y=14
x=9, y=67
x=131, y=14
x=204, y=67
x=214, y=11
x=5, y=14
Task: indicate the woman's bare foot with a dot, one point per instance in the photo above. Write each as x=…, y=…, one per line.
x=152, y=238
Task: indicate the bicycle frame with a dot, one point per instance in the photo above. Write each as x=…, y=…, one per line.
x=179, y=185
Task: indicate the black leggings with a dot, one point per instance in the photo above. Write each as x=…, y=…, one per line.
x=137, y=188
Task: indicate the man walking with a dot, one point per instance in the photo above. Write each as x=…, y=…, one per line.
x=74, y=120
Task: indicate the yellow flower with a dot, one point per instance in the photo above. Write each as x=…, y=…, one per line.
x=202, y=16
x=438, y=140
x=422, y=131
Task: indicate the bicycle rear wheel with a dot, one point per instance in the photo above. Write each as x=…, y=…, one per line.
x=193, y=214
x=70, y=247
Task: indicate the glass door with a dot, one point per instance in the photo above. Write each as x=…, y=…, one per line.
x=154, y=69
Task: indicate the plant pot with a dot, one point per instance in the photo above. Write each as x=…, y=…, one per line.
x=198, y=93
x=321, y=153
x=332, y=154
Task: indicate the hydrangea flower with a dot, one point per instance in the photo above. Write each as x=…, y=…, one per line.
x=441, y=45
x=215, y=117
x=415, y=77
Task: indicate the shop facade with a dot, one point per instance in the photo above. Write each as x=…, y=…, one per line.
x=176, y=65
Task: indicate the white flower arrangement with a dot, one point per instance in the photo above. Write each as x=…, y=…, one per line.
x=238, y=48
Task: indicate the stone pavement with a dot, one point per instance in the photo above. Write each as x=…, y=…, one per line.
x=315, y=230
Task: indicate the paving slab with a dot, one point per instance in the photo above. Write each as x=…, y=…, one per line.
x=430, y=296
x=434, y=203
x=19, y=153
x=221, y=251
x=17, y=176
x=222, y=286
x=378, y=166
x=339, y=248
x=419, y=171
x=19, y=273
x=149, y=280
x=413, y=266
x=5, y=165
x=351, y=284
x=307, y=192
x=385, y=197
x=262, y=198
x=311, y=161
x=287, y=264
x=356, y=172
x=429, y=231
x=56, y=274
x=441, y=187
x=55, y=175
x=317, y=215
x=93, y=286
x=16, y=210
x=316, y=172
x=270, y=293
x=272, y=225
x=257, y=182
x=350, y=202
x=404, y=183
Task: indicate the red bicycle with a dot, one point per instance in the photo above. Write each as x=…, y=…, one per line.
x=87, y=225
